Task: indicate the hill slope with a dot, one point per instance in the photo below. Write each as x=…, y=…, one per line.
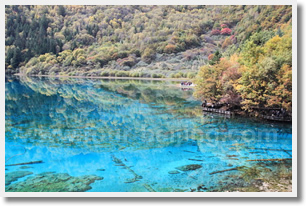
x=150, y=41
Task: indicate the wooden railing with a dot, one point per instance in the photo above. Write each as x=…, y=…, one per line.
x=206, y=109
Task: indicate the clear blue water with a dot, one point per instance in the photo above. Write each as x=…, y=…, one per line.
x=79, y=126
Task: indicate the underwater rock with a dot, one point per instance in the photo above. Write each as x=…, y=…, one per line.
x=189, y=167
x=54, y=182
x=173, y=172
x=101, y=170
x=192, y=190
x=201, y=187
x=13, y=176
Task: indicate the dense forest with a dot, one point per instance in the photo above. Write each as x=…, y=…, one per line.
x=237, y=54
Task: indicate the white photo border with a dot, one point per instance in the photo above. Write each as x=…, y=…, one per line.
x=156, y=194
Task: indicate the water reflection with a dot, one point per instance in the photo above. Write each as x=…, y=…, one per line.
x=153, y=126
x=81, y=113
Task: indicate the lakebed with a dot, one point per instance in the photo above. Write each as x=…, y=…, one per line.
x=122, y=135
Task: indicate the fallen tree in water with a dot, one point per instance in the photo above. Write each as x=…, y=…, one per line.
x=221, y=171
x=258, y=160
x=26, y=163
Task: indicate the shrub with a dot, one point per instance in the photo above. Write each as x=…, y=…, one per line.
x=32, y=62
x=112, y=73
x=122, y=54
x=104, y=73
x=157, y=76
x=102, y=61
x=85, y=39
x=215, y=32
x=172, y=75
x=136, y=52
x=191, y=75
x=170, y=48
x=177, y=75
x=226, y=42
x=233, y=39
x=128, y=61
x=135, y=74
x=78, y=52
x=67, y=61
x=80, y=60
x=192, y=40
x=210, y=56
x=216, y=58
x=224, y=26
x=122, y=74
x=141, y=74
x=226, y=31
x=148, y=55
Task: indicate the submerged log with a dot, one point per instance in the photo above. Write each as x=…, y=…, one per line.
x=120, y=163
x=258, y=160
x=269, y=149
x=26, y=163
x=188, y=151
x=17, y=154
x=149, y=188
x=195, y=160
x=221, y=171
x=287, y=152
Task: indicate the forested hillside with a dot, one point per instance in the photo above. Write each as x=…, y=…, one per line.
x=137, y=41
x=238, y=55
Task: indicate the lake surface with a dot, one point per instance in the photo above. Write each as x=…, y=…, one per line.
x=136, y=135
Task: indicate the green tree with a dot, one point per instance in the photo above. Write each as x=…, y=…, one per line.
x=16, y=59
x=266, y=73
x=216, y=58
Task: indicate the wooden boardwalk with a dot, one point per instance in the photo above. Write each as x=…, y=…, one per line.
x=206, y=109
x=266, y=117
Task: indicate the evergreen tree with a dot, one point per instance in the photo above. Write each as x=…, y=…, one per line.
x=16, y=59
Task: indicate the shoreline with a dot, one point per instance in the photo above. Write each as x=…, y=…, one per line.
x=156, y=79
x=98, y=77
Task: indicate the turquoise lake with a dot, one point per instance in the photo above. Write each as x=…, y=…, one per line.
x=135, y=134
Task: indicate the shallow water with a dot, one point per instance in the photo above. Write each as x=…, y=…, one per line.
x=131, y=133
